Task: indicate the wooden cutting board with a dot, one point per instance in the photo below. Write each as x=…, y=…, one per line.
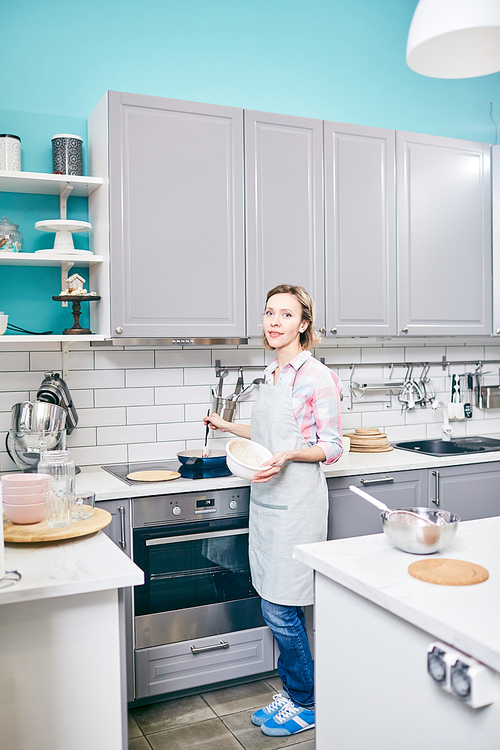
x=40, y=532
x=447, y=572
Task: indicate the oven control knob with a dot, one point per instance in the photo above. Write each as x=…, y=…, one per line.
x=176, y=510
x=233, y=504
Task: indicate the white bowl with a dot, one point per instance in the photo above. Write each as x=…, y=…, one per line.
x=24, y=483
x=4, y=319
x=25, y=513
x=245, y=457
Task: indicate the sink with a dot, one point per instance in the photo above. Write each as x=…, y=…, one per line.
x=456, y=447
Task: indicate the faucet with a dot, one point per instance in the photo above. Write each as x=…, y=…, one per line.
x=446, y=427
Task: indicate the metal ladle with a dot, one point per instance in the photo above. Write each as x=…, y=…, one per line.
x=236, y=396
x=399, y=516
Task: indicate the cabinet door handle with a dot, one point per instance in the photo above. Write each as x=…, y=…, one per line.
x=322, y=330
x=435, y=499
x=215, y=647
x=404, y=330
x=123, y=540
x=381, y=480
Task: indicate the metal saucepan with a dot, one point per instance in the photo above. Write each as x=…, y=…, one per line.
x=193, y=457
x=420, y=531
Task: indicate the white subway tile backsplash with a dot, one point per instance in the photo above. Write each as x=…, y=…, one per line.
x=5, y=421
x=155, y=414
x=82, y=436
x=96, y=379
x=181, y=431
x=124, y=397
x=102, y=417
x=14, y=361
x=20, y=380
x=242, y=357
x=123, y=360
x=152, y=378
x=194, y=394
x=183, y=358
x=99, y=454
x=9, y=398
x=126, y=434
x=203, y=376
x=46, y=361
x=155, y=451
x=82, y=399
x=407, y=432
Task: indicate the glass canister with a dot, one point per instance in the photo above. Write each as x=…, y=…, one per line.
x=10, y=152
x=11, y=239
x=61, y=468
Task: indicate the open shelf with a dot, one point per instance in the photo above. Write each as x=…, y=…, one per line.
x=31, y=259
x=27, y=338
x=47, y=184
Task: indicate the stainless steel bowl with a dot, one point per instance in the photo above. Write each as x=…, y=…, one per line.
x=422, y=539
x=38, y=416
x=224, y=407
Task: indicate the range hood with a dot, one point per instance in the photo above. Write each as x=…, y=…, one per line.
x=179, y=341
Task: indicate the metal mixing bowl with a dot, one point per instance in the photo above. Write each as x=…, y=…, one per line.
x=422, y=539
x=38, y=416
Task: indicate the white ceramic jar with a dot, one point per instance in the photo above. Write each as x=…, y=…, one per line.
x=10, y=152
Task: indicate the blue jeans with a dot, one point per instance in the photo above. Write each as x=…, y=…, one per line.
x=295, y=664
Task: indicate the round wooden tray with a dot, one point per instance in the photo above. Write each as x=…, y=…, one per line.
x=40, y=532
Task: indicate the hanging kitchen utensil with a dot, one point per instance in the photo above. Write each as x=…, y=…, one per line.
x=470, y=390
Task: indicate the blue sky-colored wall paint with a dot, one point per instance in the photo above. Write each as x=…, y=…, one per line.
x=340, y=60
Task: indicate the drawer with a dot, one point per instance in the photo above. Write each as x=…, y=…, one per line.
x=165, y=669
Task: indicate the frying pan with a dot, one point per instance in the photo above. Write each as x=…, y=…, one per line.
x=193, y=457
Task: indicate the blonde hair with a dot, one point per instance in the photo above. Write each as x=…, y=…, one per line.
x=308, y=338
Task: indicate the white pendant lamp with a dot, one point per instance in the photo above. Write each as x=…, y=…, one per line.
x=455, y=38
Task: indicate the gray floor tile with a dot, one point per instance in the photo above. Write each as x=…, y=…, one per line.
x=229, y=700
x=139, y=743
x=133, y=729
x=204, y=735
x=252, y=738
x=171, y=714
x=275, y=683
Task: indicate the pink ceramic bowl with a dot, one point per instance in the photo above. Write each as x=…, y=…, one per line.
x=25, y=513
x=25, y=482
x=18, y=499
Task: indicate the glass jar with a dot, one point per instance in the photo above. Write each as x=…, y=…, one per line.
x=61, y=468
x=11, y=239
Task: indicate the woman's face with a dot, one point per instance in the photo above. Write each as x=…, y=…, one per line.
x=283, y=322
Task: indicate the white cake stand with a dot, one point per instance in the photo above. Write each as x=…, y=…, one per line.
x=63, y=244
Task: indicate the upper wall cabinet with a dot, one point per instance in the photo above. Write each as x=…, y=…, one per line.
x=444, y=235
x=176, y=228
x=360, y=230
x=284, y=209
x=495, y=213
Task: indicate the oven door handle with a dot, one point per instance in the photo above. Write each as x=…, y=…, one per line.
x=194, y=537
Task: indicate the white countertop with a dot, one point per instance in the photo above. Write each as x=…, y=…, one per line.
x=466, y=617
x=108, y=487
x=73, y=566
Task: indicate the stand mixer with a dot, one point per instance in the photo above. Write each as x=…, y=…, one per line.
x=42, y=424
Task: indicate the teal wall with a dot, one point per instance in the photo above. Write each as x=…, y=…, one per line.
x=340, y=60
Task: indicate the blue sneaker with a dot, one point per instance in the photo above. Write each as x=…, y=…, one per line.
x=291, y=719
x=266, y=713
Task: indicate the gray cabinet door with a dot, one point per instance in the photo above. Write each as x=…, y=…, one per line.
x=360, y=230
x=284, y=209
x=495, y=217
x=176, y=217
x=444, y=235
x=120, y=528
x=469, y=491
x=349, y=515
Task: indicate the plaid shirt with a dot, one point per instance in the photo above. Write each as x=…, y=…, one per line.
x=315, y=401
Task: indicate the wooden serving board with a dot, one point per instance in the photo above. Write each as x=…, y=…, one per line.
x=40, y=532
x=159, y=475
x=385, y=449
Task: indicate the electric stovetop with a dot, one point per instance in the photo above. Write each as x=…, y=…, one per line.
x=188, y=472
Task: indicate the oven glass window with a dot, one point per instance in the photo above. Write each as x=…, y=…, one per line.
x=192, y=570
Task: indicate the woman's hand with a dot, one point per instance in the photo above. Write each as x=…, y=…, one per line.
x=217, y=423
x=272, y=467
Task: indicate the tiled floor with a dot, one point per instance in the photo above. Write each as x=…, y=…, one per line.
x=216, y=720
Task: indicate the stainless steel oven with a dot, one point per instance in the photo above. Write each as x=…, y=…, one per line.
x=197, y=617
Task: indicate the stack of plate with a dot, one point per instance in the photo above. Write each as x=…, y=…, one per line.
x=368, y=441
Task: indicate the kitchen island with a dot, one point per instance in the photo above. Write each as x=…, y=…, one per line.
x=62, y=675
x=374, y=623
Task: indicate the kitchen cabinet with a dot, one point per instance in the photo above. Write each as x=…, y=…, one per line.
x=350, y=515
x=175, y=204
x=360, y=230
x=284, y=209
x=120, y=528
x=495, y=224
x=39, y=183
x=469, y=491
x=444, y=235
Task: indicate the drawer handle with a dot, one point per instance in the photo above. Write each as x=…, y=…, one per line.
x=371, y=482
x=215, y=647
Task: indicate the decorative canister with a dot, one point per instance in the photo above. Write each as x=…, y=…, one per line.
x=11, y=239
x=10, y=152
x=67, y=154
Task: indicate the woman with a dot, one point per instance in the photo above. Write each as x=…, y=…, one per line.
x=297, y=417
